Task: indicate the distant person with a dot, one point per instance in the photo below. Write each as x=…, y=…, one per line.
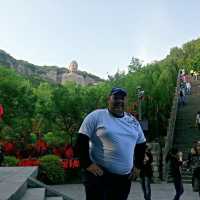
x=182, y=99
x=195, y=75
x=192, y=72
x=108, y=141
x=194, y=163
x=182, y=85
x=192, y=151
x=146, y=174
x=188, y=88
x=182, y=72
x=174, y=158
x=198, y=120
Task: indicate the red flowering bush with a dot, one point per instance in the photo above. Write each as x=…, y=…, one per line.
x=29, y=162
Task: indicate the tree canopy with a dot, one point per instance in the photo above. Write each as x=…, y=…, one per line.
x=58, y=110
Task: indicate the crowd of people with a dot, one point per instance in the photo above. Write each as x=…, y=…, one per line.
x=185, y=87
x=185, y=84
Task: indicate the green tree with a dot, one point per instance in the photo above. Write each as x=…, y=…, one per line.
x=135, y=65
x=17, y=97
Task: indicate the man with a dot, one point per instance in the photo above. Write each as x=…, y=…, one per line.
x=106, y=143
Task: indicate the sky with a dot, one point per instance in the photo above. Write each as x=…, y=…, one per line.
x=101, y=35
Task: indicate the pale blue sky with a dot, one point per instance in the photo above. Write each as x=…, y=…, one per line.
x=102, y=35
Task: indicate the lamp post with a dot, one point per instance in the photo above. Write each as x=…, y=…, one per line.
x=140, y=94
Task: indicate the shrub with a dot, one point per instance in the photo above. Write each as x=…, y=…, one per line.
x=73, y=175
x=55, y=139
x=51, y=170
x=10, y=161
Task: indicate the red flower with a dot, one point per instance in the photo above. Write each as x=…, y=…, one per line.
x=41, y=145
x=69, y=152
x=70, y=164
x=57, y=152
x=9, y=147
x=1, y=111
x=29, y=162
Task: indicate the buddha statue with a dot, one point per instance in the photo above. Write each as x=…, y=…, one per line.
x=73, y=75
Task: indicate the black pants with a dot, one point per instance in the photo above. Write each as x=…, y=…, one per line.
x=146, y=187
x=109, y=186
x=178, y=187
x=196, y=180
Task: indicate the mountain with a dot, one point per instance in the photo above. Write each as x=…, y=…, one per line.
x=50, y=73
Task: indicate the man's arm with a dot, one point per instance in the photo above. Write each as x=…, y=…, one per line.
x=82, y=150
x=139, y=155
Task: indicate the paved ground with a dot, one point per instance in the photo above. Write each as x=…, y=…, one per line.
x=12, y=181
x=161, y=191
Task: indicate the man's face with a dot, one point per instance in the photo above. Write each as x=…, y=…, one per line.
x=116, y=104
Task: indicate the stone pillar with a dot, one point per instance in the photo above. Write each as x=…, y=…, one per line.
x=157, y=161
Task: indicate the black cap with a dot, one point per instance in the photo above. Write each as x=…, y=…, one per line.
x=119, y=91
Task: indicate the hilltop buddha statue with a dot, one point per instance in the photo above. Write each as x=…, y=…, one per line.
x=73, y=74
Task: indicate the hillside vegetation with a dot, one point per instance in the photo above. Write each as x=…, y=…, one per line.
x=33, y=107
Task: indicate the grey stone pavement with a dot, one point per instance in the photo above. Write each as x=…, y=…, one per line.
x=162, y=191
x=13, y=178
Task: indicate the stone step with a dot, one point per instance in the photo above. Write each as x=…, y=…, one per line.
x=184, y=145
x=186, y=136
x=49, y=190
x=13, y=181
x=185, y=132
x=34, y=194
x=185, y=179
x=54, y=198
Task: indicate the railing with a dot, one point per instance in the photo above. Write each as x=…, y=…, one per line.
x=171, y=125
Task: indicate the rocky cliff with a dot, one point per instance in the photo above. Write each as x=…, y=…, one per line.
x=50, y=73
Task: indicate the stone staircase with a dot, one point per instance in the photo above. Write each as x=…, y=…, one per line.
x=185, y=131
x=19, y=183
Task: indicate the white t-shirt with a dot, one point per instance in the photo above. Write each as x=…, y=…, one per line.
x=198, y=118
x=188, y=85
x=112, y=139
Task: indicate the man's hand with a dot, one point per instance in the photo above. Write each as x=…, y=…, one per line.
x=95, y=169
x=134, y=174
